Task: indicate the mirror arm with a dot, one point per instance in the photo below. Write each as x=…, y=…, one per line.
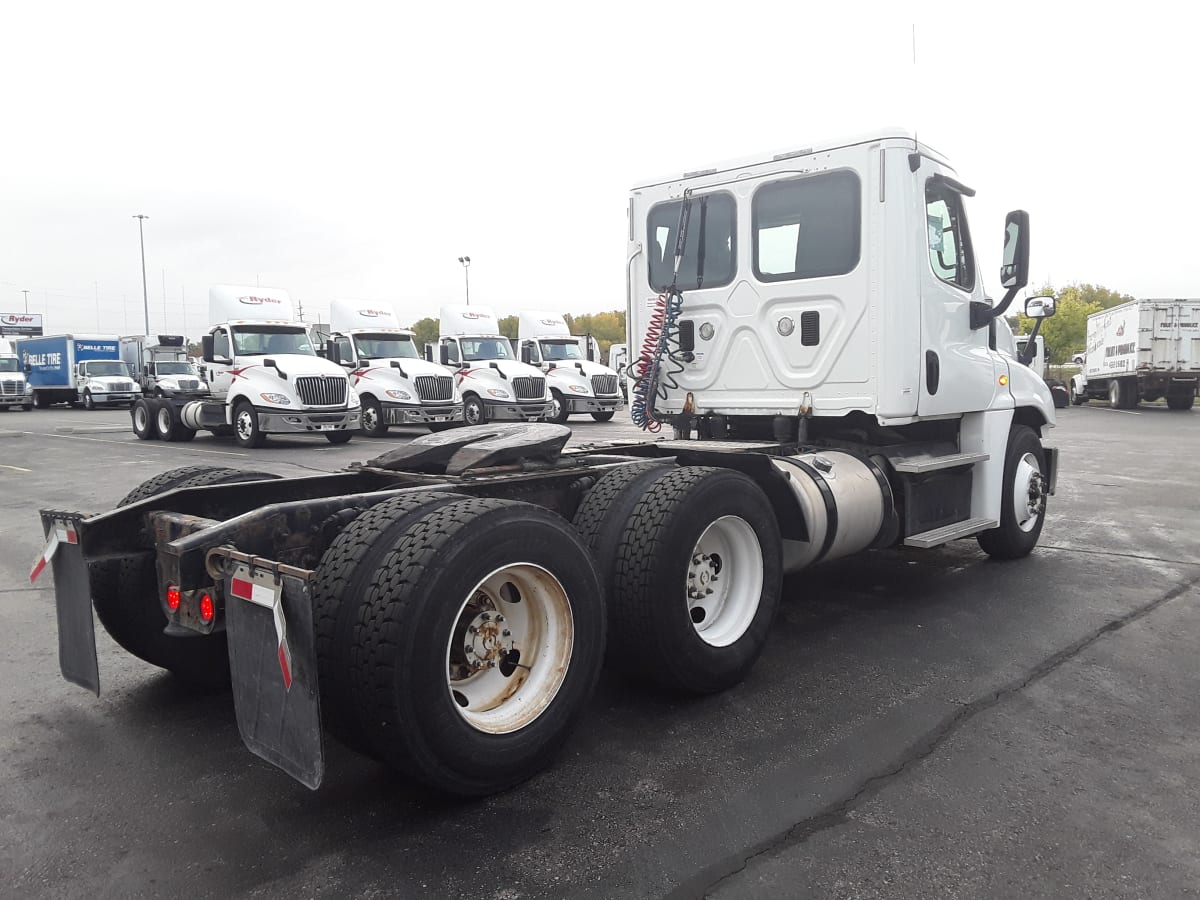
x=1025, y=357
x=982, y=314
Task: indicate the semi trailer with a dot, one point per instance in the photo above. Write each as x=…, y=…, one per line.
x=1141, y=350
x=815, y=345
x=577, y=381
x=264, y=377
x=394, y=384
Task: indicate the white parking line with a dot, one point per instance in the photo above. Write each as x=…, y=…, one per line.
x=1128, y=412
x=141, y=445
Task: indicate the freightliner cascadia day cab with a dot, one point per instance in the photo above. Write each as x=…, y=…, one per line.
x=813, y=336
x=1141, y=350
x=395, y=385
x=264, y=375
x=576, y=383
x=15, y=391
x=161, y=366
x=495, y=385
x=78, y=368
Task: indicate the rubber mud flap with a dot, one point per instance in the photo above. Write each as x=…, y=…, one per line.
x=280, y=723
x=73, y=607
x=454, y=452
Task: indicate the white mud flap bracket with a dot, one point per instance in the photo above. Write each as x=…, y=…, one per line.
x=272, y=661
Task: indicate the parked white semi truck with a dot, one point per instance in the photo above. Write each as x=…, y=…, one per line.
x=15, y=392
x=495, y=385
x=161, y=366
x=395, y=385
x=577, y=381
x=1141, y=350
x=813, y=332
x=264, y=376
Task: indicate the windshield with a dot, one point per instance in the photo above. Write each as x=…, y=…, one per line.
x=260, y=340
x=552, y=351
x=174, y=368
x=106, y=368
x=477, y=349
x=385, y=346
x=9, y=365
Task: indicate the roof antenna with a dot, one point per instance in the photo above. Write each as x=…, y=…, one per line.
x=914, y=158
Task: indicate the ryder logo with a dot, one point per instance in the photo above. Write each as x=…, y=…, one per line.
x=372, y=313
x=259, y=301
x=553, y=322
x=14, y=319
x=474, y=315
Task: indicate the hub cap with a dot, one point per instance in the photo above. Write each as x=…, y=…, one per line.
x=555, y=406
x=724, y=581
x=139, y=418
x=164, y=420
x=472, y=412
x=1029, y=493
x=510, y=648
x=245, y=425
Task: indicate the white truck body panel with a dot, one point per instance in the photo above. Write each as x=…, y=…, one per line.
x=1144, y=336
x=229, y=303
x=347, y=315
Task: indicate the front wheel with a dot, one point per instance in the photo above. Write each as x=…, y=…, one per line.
x=88, y=402
x=435, y=427
x=603, y=416
x=1023, y=498
x=339, y=437
x=245, y=426
x=474, y=412
x=373, y=421
x=558, y=408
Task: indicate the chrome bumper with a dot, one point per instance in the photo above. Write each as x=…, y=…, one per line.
x=395, y=414
x=274, y=421
x=593, y=404
x=499, y=411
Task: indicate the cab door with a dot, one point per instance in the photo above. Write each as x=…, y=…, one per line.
x=220, y=374
x=958, y=368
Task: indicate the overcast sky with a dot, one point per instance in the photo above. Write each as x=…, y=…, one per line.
x=358, y=150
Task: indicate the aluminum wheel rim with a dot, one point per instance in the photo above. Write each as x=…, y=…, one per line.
x=370, y=419
x=245, y=425
x=724, y=581
x=1029, y=498
x=519, y=607
x=471, y=412
x=555, y=406
x=164, y=421
x=140, y=422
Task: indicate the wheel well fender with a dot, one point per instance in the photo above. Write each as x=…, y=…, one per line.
x=1030, y=416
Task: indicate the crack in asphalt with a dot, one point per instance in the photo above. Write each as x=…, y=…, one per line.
x=704, y=883
x=1177, y=562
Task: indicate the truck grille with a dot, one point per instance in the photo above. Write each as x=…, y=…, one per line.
x=188, y=384
x=435, y=387
x=321, y=390
x=604, y=384
x=529, y=388
x=12, y=387
x=120, y=386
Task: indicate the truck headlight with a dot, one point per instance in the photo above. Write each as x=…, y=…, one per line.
x=277, y=399
x=499, y=394
x=399, y=395
x=579, y=389
x=352, y=399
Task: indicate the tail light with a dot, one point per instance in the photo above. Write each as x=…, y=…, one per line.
x=173, y=597
x=208, y=609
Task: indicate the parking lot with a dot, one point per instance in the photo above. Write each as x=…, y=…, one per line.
x=922, y=723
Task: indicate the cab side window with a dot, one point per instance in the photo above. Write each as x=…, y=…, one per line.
x=221, y=343
x=950, y=253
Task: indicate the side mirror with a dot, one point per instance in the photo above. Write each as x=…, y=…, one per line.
x=206, y=348
x=1078, y=359
x=526, y=353
x=332, y=352
x=1014, y=270
x=444, y=354
x=146, y=370
x=1039, y=307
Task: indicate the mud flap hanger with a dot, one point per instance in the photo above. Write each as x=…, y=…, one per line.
x=272, y=660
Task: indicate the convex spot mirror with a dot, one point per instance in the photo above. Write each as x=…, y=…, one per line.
x=1014, y=270
x=1039, y=307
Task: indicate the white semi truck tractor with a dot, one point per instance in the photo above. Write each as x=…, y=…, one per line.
x=495, y=385
x=395, y=385
x=264, y=378
x=812, y=335
x=577, y=381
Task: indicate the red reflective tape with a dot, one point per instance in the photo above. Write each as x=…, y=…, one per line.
x=72, y=537
x=285, y=665
x=241, y=588
x=37, y=568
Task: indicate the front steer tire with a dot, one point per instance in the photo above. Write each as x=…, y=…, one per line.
x=1010, y=540
x=416, y=717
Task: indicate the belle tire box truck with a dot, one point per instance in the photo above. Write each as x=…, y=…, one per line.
x=77, y=368
x=446, y=607
x=395, y=384
x=577, y=385
x=1141, y=350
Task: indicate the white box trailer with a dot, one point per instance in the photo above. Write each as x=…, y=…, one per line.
x=1141, y=350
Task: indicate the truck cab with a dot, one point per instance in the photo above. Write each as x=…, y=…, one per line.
x=162, y=367
x=15, y=391
x=395, y=385
x=265, y=375
x=577, y=381
x=106, y=382
x=494, y=383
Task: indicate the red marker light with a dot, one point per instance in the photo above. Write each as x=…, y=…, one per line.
x=173, y=597
x=208, y=609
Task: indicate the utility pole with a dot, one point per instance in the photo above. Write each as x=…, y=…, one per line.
x=466, y=264
x=183, y=309
x=145, y=292
x=26, y=293
x=164, y=277
x=97, y=284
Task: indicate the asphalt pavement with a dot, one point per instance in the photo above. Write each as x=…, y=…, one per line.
x=921, y=724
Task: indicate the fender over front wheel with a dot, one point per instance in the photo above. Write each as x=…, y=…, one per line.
x=1022, y=500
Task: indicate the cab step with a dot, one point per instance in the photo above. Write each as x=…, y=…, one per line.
x=938, y=536
x=919, y=464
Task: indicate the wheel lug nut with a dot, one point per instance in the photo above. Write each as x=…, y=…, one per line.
x=485, y=617
x=499, y=618
x=471, y=629
x=506, y=633
x=707, y=591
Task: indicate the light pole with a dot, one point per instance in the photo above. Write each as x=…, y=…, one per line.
x=466, y=264
x=26, y=293
x=145, y=293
